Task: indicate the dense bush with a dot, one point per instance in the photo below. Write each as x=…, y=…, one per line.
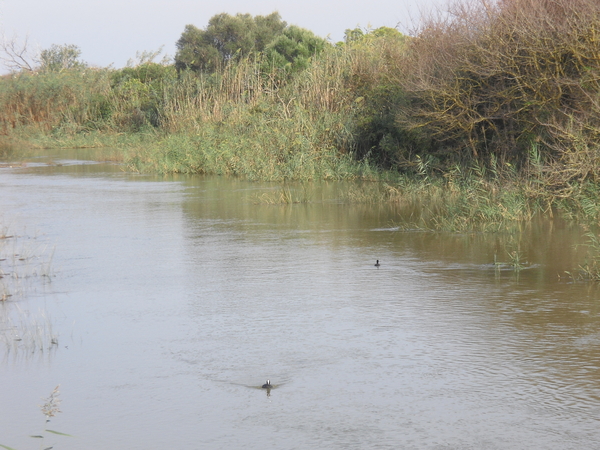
x=53, y=100
x=508, y=79
x=372, y=79
x=61, y=57
x=138, y=94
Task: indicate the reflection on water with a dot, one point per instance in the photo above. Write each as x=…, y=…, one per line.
x=176, y=297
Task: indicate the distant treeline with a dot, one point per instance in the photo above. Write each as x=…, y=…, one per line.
x=509, y=84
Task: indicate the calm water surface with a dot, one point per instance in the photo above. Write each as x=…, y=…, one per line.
x=175, y=298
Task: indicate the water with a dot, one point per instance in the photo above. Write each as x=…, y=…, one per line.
x=175, y=298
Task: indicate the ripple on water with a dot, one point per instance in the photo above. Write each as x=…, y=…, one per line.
x=188, y=297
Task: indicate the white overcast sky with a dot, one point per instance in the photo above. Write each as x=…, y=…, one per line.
x=112, y=31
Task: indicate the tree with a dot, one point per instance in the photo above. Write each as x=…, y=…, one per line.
x=358, y=36
x=195, y=52
x=61, y=57
x=353, y=35
x=293, y=49
x=224, y=39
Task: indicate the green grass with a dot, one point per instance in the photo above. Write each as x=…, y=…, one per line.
x=257, y=149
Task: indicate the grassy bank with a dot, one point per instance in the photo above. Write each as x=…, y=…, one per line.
x=490, y=113
x=242, y=119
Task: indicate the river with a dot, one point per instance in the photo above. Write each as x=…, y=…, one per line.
x=163, y=303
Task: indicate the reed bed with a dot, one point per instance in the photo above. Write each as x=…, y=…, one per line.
x=489, y=111
x=249, y=123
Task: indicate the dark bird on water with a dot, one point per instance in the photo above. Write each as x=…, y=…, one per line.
x=377, y=264
x=267, y=385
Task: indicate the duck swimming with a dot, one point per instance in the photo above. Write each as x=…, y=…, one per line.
x=377, y=264
x=267, y=385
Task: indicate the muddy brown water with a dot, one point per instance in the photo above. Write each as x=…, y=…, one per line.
x=175, y=298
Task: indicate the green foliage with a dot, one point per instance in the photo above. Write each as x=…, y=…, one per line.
x=61, y=57
x=225, y=39
x=147, y=73
x=53, y=101
x=375, y=56
x=140, y=93
x=357, y=35
x=195, y=52
x=353, y=35
x=228, y=39
x=387, y=32
x=293, y=49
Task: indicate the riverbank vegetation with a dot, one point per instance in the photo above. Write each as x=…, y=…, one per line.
x=490, y=109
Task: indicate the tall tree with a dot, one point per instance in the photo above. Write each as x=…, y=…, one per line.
x=293, y=49
x=61, y=57
x=225, y=38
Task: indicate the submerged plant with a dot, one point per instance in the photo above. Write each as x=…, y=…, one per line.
x=22, y=267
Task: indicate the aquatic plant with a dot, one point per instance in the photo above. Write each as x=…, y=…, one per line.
x=49, y=408
x=21, y=261
x=23, y=264
x=590, y=268
x=515, y=261
x=24, y=332
x=285, y=195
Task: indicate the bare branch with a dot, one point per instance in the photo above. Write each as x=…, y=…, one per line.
x=16, y=55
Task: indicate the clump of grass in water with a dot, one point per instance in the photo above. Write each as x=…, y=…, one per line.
x=590, y=269
x=285, y=196
x=463, y=203
x=373, y=192
x=515, y=261
x=21, y=262
x=20, y=265
x=50, y=408
x=24, y=333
